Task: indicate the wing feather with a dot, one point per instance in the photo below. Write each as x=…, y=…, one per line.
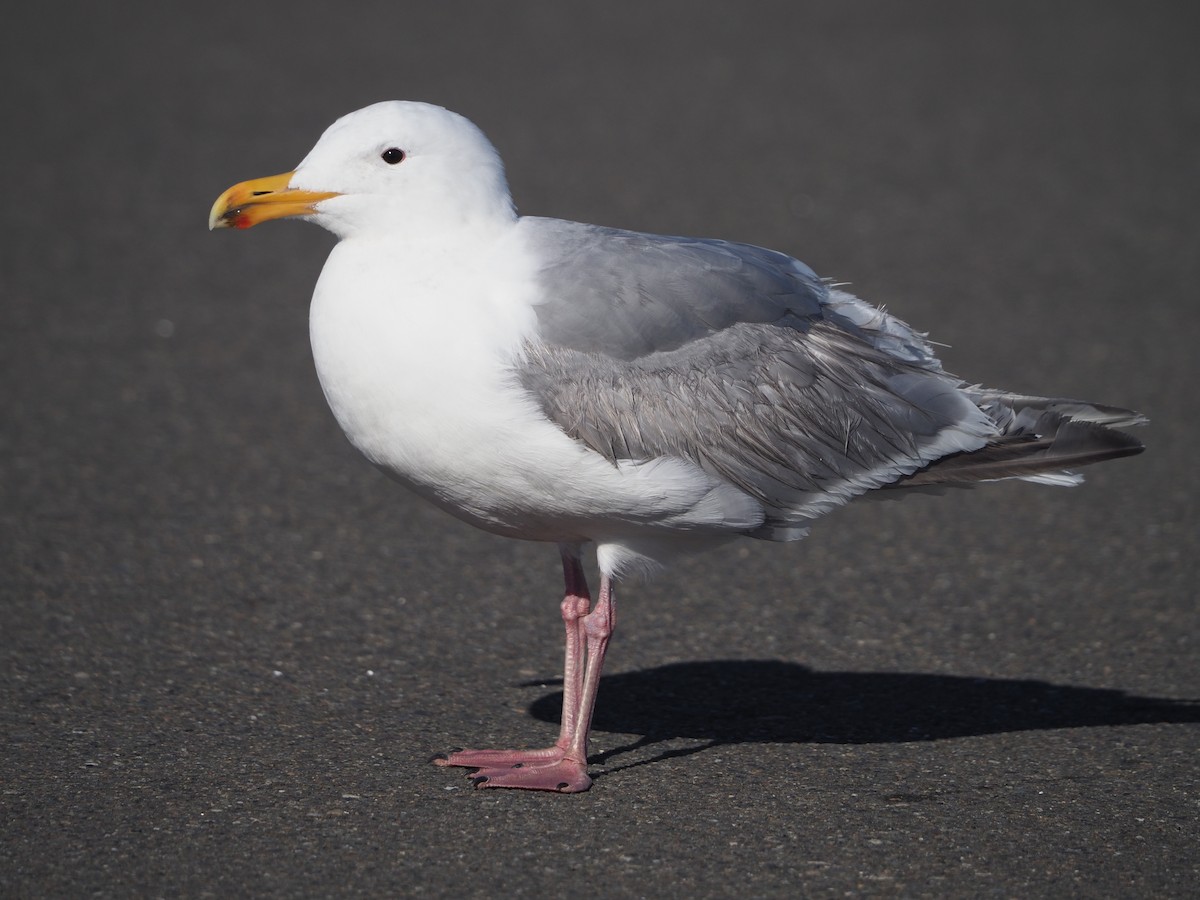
x=744, y=362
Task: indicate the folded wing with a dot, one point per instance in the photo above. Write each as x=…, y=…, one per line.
x=742, y=361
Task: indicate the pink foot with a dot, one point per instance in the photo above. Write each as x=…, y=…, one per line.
x=536, y=770
x=567, y=776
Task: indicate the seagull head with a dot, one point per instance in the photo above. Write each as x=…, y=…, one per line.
x=396, y=166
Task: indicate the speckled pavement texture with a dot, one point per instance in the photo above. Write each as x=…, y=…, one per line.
x=229, y=646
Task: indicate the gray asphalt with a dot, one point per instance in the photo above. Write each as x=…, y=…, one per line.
x=230, y=646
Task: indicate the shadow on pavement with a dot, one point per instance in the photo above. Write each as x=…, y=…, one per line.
x=744, y=701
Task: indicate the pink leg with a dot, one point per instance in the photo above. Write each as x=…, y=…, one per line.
x=562, y=766
x=598, y=627
x=574, y=609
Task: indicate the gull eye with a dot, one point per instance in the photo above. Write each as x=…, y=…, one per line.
x=392, y=155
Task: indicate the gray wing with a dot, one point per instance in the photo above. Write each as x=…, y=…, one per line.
x=802, y=421
x=741, y=360
x=626, y=294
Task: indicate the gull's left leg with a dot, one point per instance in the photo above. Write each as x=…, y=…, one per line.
x=568, y=773
x=574, y=607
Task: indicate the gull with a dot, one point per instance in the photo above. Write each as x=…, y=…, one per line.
x=653, y=396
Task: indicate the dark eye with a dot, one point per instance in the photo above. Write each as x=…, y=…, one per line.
x=392, y=155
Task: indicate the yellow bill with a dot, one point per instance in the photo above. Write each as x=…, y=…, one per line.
x=245, y=205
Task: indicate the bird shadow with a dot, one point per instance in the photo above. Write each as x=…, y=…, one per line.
x=750, y=701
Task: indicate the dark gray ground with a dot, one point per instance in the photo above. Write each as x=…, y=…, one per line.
x=229, y=645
